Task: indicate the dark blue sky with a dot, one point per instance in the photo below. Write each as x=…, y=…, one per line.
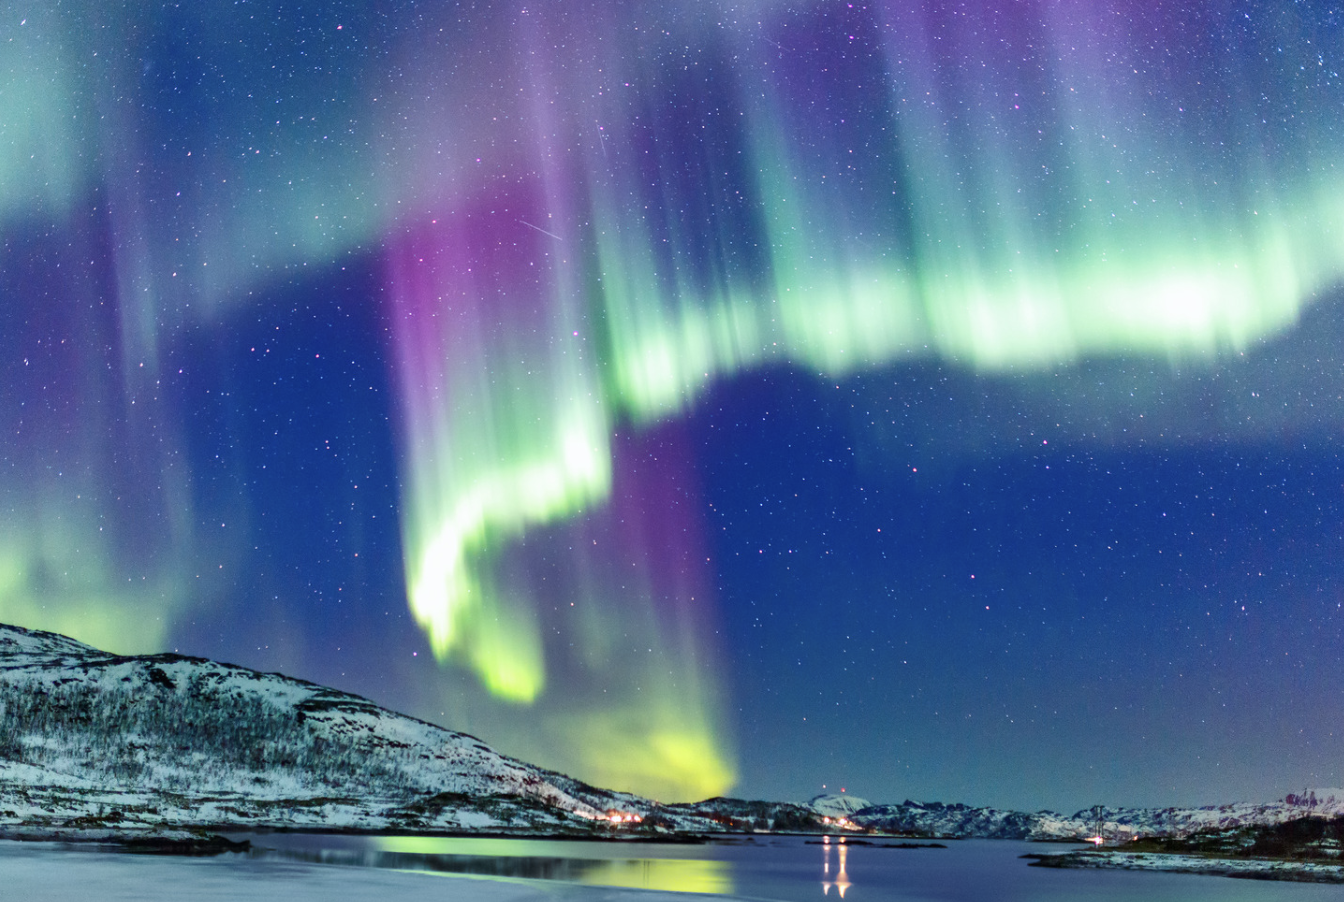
x=1003, y=589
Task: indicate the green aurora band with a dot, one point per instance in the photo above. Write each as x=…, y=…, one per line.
x=587, y=223
x=1006, y=246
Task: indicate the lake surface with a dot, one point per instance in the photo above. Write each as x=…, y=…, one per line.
x=792, y=869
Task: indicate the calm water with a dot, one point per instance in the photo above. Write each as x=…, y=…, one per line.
x=792, y=869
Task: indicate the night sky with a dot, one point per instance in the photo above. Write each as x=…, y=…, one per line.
x=935, y=400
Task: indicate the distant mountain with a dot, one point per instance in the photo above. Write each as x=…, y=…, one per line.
x=838, y=804
x=95, y=741
x=935, y=819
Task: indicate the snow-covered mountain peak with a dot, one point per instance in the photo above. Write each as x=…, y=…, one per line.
x=837, y=804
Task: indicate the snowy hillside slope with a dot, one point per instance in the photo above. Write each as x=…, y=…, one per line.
x=107, y=744
x=94, y=739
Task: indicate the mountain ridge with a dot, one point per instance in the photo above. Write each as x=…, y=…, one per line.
x=96, y=742
x=1112, y=824
x=91, y=740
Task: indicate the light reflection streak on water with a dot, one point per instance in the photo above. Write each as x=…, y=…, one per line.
x=841, y=881
x=685, y=876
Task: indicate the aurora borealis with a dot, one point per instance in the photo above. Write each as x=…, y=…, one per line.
x=641, y=386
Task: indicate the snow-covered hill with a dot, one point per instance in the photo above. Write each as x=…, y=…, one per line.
x=100, y=741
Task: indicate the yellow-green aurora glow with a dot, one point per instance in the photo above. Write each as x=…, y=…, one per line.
x=582, y=226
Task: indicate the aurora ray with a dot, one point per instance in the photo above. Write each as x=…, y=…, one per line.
x=795, y=189
x=584, y=223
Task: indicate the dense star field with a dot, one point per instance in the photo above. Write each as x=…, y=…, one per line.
x=939, y=400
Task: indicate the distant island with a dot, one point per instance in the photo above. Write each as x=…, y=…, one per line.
x=165, y=752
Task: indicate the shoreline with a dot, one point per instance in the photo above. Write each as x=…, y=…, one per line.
x=1281, y=869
